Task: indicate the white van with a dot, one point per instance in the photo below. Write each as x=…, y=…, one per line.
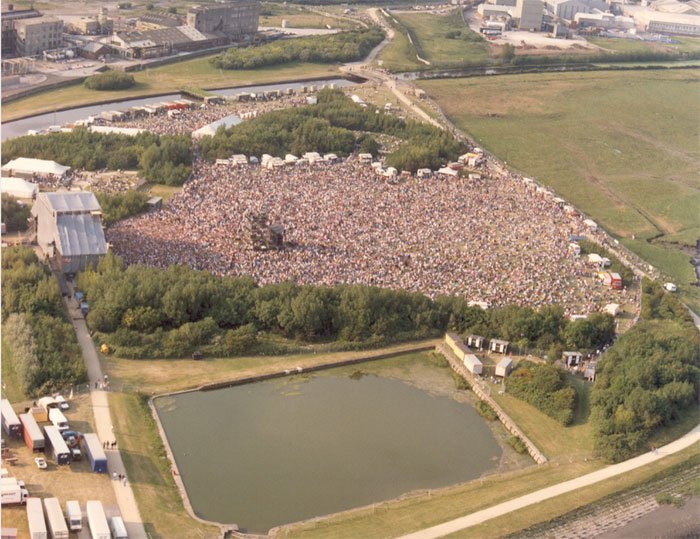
x=118, y=528
x=58, y=419
x=75, y=515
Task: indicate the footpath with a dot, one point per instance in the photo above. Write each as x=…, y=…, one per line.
x=103, y=425
x=541, y=495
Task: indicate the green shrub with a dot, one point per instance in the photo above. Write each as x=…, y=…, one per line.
x=110, y=80
x=14, y=214
x=516, y=443
x=486, y=411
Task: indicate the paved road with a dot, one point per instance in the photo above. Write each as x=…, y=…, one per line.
x=103, y=423
x=504, y=508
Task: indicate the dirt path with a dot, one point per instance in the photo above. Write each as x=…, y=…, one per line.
x=103, y=423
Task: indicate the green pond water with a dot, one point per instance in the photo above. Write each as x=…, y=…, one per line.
x=275, y=452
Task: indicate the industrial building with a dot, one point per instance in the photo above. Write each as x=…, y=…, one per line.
x=567, y=9
x=599, y=19
x=235, y=19
x=9, y=18
x=658, y=22
x=529, y=14
x=164, y=41
x=36, y=35
x=69, y=229
x=153, y=21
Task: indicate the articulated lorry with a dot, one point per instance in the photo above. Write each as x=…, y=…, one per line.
x=54, y=516
x=10, y=421
x=12, y=492
x=35, y=517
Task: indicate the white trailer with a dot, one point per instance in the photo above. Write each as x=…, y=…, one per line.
x=10, y=421
x=75, y=515
x=118, y=528
x=472, y=363
x=35, y=517
x=54, y=516
x=97, y=521
x=58, y=419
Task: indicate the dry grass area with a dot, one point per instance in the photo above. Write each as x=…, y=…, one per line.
x=73, y=482
x=164, y=375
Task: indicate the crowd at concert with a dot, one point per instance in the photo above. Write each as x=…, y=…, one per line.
x=491, y=239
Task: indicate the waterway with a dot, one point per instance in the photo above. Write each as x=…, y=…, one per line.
x=43, y=121
x=271, y=453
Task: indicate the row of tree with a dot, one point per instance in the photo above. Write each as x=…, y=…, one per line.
x=121, y=205
x=148, y=312
x=649, y=379
x=44, y=349
x=546, y=388
x=340, y=47
x=160, y=159
x=331, y=126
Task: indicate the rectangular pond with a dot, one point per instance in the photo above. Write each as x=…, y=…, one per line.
x=271, y=453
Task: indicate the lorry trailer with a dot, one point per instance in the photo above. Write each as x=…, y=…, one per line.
x=32, y=433
x=118, y=528
x=94, y=452
x=10, y=421
x=35, y=517
x=56, y=446
x=75, y=515
x=97, y=521
x=54, y=517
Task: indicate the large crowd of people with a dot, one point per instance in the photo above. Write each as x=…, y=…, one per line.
x=491, y=239
x=189, y=120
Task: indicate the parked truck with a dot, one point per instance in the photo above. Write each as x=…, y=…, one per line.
x=118, y=528
x=74, y=515
x=35, y=517
x=10, y=421
x=58, y=419
x=57, y=447
x=97, y=521
x=32, y=433
x=94, y=452
x=54, y=517
x=13, y=493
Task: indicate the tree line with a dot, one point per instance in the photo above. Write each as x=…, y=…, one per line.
x=148, y=312
x=340, y=47
x=116, y=207
x=331, y=126
x=649, y=379
x=159, y=159
x=45, y=353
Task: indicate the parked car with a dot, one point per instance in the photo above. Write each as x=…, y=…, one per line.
x=41, y=463
x=62, y=403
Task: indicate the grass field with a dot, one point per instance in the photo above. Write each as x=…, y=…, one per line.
x=272, y=14
x=399, y=54
x=622, y=146
x=429, y=30
x=168, y=78
x=556, y=442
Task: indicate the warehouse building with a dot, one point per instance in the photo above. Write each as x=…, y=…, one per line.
x=69, y=229
x=567, y=9
x=235, y=19
x=37, y=35
x=529, y=14
x=164, y=41
x=657, y=22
